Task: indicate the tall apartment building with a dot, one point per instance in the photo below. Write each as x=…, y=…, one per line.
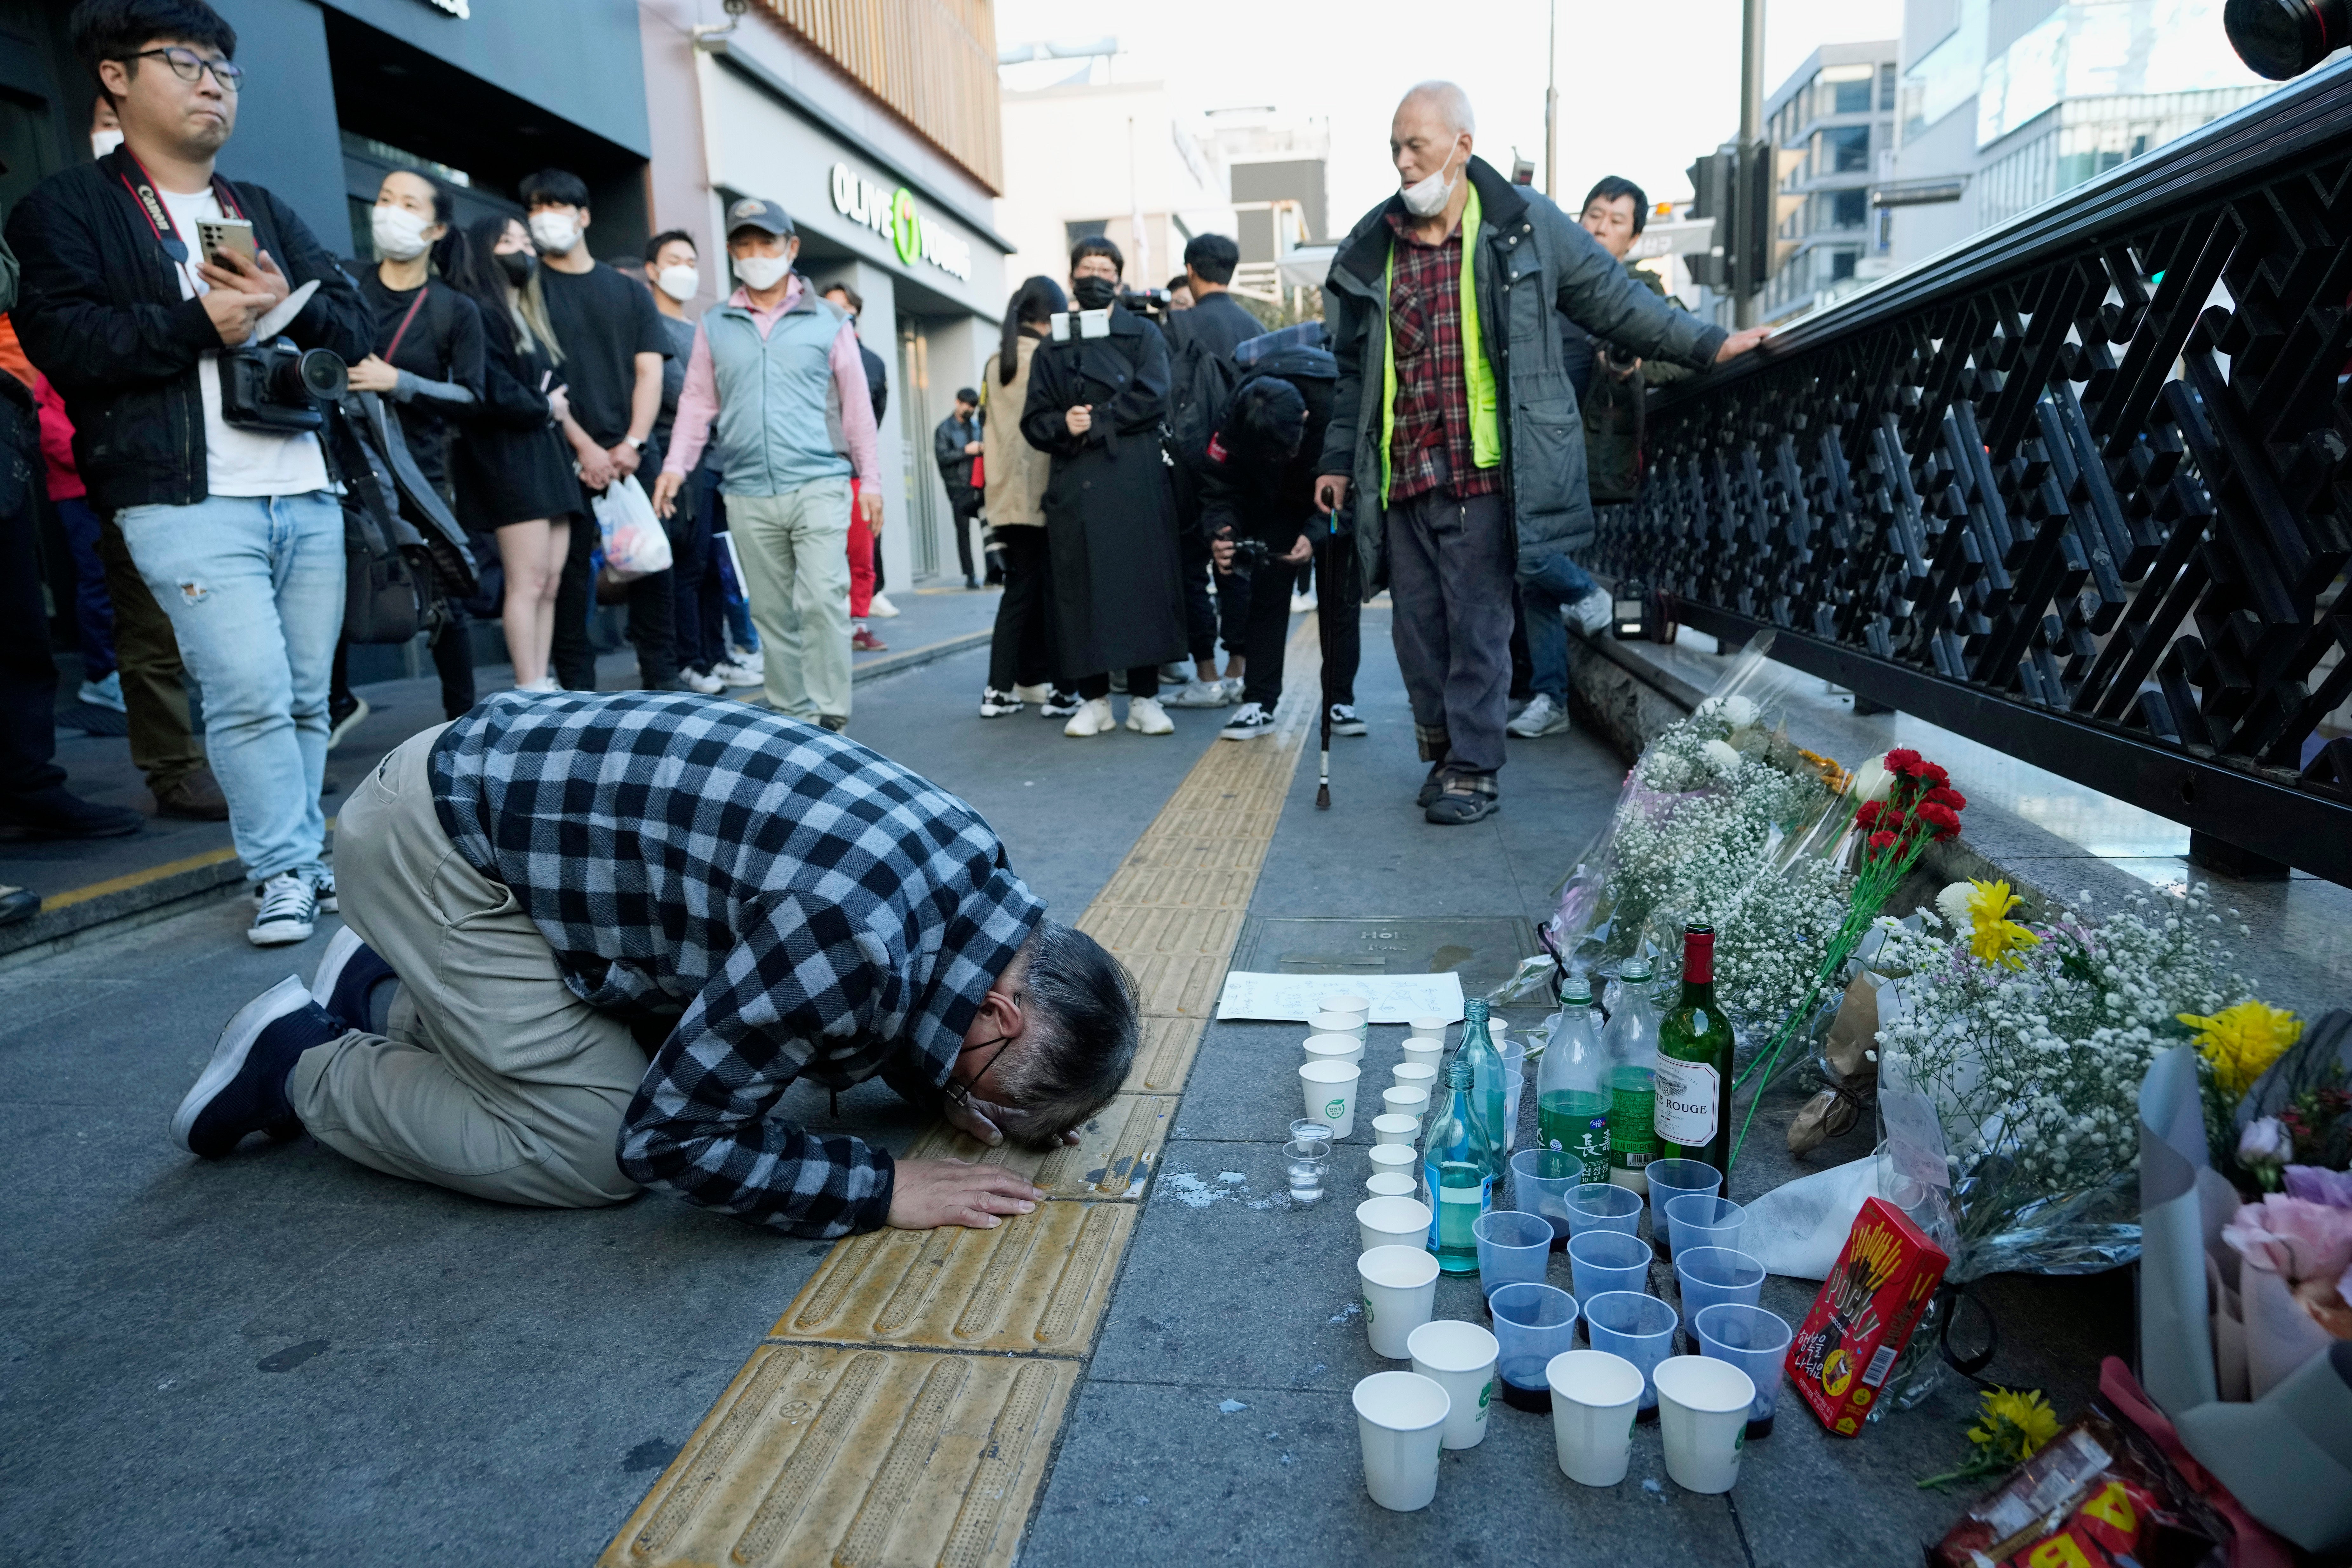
x=1832, y=124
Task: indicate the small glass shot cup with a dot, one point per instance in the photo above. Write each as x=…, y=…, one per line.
x=1303, y=1158
x=1311, y=1127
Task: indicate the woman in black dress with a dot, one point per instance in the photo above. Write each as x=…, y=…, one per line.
x=513, y=476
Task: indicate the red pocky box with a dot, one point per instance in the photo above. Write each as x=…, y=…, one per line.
x=1882, y=1280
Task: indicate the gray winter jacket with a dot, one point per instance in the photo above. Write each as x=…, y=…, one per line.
x=1535, y=260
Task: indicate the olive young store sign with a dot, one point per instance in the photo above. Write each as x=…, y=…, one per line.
x=892, y=214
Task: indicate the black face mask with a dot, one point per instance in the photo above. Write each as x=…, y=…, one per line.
x=518, y=265
x=1093, y=293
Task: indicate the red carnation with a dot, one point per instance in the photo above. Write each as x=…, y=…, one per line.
x=1946, y=796
x=1934, y=774
x=1892, y=820
x=1904, y=761
x=1868, y=816
x=1882, y=841
x=1943, y=819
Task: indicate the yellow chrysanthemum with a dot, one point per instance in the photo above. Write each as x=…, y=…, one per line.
x=1993, y=937
x=2015, y=1424
x=2241, y=1042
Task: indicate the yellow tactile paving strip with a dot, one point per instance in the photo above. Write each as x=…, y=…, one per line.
x=903, y=1410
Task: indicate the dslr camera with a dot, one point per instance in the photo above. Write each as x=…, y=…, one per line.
x=276, y=388
x=1156, y=303
x=1249, y=555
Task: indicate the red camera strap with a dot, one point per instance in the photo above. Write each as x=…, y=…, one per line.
x=401, y=331
x=159, y=217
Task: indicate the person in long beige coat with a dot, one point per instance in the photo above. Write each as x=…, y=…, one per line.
x=1021, y=662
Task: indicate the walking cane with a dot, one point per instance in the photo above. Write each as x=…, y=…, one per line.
x=1323, y=642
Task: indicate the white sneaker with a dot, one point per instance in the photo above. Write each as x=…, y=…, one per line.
x=544, y=685
x=882, y=608
x=730, y=673
x=288, y=911
x=322, y=887
x=1041, y=692
x=1231, y=688
x=751, y=659
x=106, y=693
x=1199, y=694
x=1094, y=717
x=710, y=685
x=1146, y=717
x=1248, y=723
x=1591, y=615
x=1301, y=603
x=1540, y=717
x=1058, y=704
x=995, y=704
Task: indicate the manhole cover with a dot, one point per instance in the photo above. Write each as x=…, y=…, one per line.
x=1483, y=949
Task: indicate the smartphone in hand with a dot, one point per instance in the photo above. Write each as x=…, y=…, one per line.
x=215, y=235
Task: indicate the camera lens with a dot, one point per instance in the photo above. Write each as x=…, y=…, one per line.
x=2281, y=39
x=324, y=376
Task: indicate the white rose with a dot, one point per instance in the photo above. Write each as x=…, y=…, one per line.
x=2264, y=1142
x=1871, y=780
x=1720, y=757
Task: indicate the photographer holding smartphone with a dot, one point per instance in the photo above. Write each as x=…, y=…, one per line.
x=202, y=442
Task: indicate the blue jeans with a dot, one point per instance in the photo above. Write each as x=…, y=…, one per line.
x=1553, y=586
x=254, y=585
x=93, y=610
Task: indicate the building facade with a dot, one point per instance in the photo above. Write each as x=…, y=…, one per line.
x=1832, y=126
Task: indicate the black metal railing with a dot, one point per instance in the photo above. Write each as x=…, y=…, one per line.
x=2077, y=489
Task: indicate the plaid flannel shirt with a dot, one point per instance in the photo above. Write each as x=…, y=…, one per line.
x=1430, y=445
x=800, y=906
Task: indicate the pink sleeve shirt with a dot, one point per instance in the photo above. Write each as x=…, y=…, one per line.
x=697, y=400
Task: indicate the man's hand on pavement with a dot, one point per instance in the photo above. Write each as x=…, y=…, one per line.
x=1331, y=492
x=1739, y=342
x=666, y=493
x=927, y=1193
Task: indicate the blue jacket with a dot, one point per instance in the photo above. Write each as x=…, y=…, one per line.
x=779, y=428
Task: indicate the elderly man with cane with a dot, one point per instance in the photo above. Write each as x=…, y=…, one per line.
x=1443, y=304
x=545, y=890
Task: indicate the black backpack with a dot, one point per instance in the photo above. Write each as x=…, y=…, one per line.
x=1200, y=381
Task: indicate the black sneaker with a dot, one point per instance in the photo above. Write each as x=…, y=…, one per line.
x=1060, y=705
x=347, y=978
x=322, y=887
x=341, y=721
x=995, y=704
x=1344, y=720
x=1249, y=721
x=58, y=813
x=243, y=1088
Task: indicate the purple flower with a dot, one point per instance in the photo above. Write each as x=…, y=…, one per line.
x=2317, y=1184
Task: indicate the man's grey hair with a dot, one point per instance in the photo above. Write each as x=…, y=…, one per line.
x=1079, y=1031
x=1451, y=104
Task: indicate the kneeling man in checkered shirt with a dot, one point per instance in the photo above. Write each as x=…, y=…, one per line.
x=542, y=893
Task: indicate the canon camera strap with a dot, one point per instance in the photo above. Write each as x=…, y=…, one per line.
x=159, y=217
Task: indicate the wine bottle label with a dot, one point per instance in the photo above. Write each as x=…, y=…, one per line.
x=1687, y=1095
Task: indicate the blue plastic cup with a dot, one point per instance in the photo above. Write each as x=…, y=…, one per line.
x=1603, y=1206
x=1702, y=1219
x=1601, y=1262
x=1717, y=1275
x=1541, y=1180
x=1754, y=1340
x=1639, y=1328
x=1512, y=1249
x=1533, y=1323
x=1670, y=1179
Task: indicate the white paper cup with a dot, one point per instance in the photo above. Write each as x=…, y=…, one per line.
x=1400, y=1418
x=1459, y=1358
x=1390, y=1185
x=1392, y=1222
x=1431, y=1026
x=1402, y=1159
x=1334, y=1048
x=1595, y=1397
x=1402, y=1101
x=1416, y=1075
x=1400, y=1288
x=1330, y=1094
x=1348, y=1002
x=1703, y=1416
x=1390, y=1128
x=1429, y=1050
x=1337, y=1024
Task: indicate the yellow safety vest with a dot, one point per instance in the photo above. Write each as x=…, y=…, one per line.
x=1486, y=427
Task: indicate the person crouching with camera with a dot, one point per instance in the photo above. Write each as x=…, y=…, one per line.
x=145, y=275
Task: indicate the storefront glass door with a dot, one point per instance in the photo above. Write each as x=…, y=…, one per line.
x=915, y=446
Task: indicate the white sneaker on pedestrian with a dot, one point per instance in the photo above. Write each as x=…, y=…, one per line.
x=1231, y=689
x=995, y=704
x=322, y=887
x=1591, y=615
x=1198, y=694
x=706, y=682
x=544, y=685
x=730, y=673
x=1094, y=717
x=750, y=659
x=1540, y=717
x=1146, y=717
x=881, y=608
x=1346, y=721
x=1041, y=692
x=1301, y=603
x=1248, y=723
x=1058, y=704
x=288, y=910
x=348, y=723
x=106, y=693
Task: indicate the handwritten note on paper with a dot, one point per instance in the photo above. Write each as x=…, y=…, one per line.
x=1395, y=998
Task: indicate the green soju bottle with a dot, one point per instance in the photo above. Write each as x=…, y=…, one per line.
x=1694, y=1085
x=1571, y=1097
x=1458, y=1167
x=1630, y=1046
x=1485, y=1074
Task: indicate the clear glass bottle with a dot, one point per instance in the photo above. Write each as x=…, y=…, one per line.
x=1630, y=1046
x=1485, y=1071
x=1693, y=1089
x=1571, y=1094
x=1458, y=1168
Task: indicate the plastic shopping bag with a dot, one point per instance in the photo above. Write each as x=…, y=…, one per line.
x=635, y=544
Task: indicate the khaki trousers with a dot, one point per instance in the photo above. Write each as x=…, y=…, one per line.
x=494, y=1079
x=794, y=550
x=154, y=690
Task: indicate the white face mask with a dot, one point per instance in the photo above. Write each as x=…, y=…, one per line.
x=760, y=273
x=1427, y=198
x=553, y=232
x=678, y=282
x=101, y=142
x=398, y=233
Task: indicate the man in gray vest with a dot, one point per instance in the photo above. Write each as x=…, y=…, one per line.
x=778, y=369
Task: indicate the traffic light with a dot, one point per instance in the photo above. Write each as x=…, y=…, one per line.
x=1739, y=188
x=1713, y=178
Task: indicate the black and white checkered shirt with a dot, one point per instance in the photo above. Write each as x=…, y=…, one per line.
x=814, y=910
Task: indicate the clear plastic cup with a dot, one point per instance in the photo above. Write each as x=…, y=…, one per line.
x=1512, y=1249
x=1599, y=1261
x=1639, y=1328
x=1702, y=1219
x=1392, y=1222
x=1703, y=1418
x=1414, y=1075
x=1515, y=1078
x=1459, y=1358
x=1401, y=1158
x=1603, y=1206
x=1400, y=1288
x=1339, y=1024
x=1712, y=1276
x=1390, y=1128
x=1311, y=1127
x=1399, y=1420
x=1412, y=1102
x=1541, y=1180
x=1330, y=1094
x=1593, y=1397
x=1428, y=1051
x=1670, y=1179
x=1754, y=1340
x=1303, y=1158
x=1533, y=1323
x=1333, y=1047
x=1390, y=1184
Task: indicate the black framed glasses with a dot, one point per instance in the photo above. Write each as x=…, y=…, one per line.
x=190, y=66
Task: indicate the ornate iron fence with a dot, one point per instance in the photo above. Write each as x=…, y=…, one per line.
x=2078, y=490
